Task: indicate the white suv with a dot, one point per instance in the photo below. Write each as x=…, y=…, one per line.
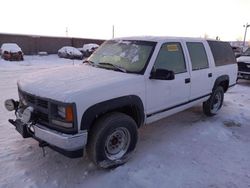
x=244, y=65
x=126, y=83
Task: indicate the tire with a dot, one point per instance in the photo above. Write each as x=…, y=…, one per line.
x=214, y=103
x=112, y=140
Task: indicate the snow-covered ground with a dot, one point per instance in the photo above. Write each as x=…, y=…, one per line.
x=186, y=150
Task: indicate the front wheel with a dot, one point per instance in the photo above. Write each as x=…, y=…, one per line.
x=214, y=103
x=112, y=140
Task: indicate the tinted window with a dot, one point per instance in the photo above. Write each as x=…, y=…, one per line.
x=170, y=57
x=198, y=55
x=222, y=53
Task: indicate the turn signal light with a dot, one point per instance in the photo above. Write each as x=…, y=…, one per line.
x=69, y=114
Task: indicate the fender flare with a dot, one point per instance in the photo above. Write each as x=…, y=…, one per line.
x=219, y=80
x=131, y=101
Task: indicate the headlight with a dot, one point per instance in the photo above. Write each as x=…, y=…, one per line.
x=61, y=111
x=66, y=113
x=65, y=116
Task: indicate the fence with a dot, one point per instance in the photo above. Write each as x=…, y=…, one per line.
x=32, y=44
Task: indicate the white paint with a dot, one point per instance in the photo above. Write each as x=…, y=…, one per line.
x=184, y=150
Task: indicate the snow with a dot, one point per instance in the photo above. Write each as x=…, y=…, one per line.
x=245, y=59
x=54, y=84
x=89, y=47
x=10, y=47
x=187, y=149
x=70, y=50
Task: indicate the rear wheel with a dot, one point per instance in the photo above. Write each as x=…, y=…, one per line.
x=214, y=103
x=112, y=140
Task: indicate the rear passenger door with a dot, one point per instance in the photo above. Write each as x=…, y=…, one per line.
x=201, y=74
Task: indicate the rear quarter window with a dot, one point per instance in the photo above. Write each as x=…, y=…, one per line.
x=222, y=53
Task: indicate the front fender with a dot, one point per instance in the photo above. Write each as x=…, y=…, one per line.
x=132, y=101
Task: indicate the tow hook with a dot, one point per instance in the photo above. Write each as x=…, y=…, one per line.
x=42, y=145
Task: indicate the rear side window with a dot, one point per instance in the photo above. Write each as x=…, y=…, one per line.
x=170, y=57
x=222, y=53
x=198, y=55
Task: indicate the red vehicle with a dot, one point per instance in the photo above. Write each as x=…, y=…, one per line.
x=11, y=52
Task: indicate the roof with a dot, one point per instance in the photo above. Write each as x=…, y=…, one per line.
x=161, y=38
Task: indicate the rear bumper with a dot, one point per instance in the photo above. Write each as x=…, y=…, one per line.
x=67, y=144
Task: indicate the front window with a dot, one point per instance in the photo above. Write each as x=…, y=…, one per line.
x=171, y=57
x=124, y=55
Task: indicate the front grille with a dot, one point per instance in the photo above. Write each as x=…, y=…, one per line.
x=41, y=106
x=42, y=103
x=43, y=118
x=29, y=98
x=45, y=110
x=244, y=67
x=35, y=101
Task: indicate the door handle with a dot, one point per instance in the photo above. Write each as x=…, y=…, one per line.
x=187, y=80
x=210, y=75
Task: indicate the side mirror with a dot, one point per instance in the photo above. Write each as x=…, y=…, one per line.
x=162, y=74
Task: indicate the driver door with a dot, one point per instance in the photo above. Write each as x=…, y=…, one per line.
x=165, y=95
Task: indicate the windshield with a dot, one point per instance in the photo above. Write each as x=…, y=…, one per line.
x=128, y=55
x=247, y=52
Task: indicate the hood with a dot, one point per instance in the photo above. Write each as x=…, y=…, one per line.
x=62, y=83
x=245, y=59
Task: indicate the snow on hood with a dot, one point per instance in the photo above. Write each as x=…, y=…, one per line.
x=245, y=59
x=62, y=83
x=89, y=46
x=10, y=47
x=70, y=50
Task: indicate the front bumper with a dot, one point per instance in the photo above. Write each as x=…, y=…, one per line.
x=63, y=143
x=244, y=75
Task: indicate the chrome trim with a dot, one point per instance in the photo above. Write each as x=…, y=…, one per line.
x=242, y=72
x=69, y=142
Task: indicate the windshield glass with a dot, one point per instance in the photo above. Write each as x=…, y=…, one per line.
x=247, y=52
x=128, y=55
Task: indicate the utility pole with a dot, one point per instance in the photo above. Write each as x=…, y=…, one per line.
x=246, y=26
x=113, y=31
x=67, y=32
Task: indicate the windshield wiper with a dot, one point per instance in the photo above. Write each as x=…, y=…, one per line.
x=114, y=66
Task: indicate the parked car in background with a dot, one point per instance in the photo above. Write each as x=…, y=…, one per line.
x=88, y=49
x=11, y=52
x=237, y=51
x=244, y=65
x=70, y=53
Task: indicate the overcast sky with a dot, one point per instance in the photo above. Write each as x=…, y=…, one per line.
x=94, y=18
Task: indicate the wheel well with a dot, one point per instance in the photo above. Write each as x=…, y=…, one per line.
x=130, y=105
x=222, y=81
x=131, y=111
x=224, y=84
